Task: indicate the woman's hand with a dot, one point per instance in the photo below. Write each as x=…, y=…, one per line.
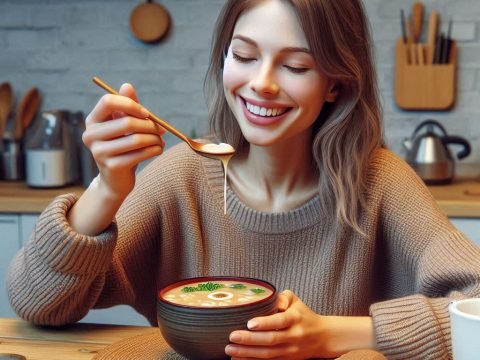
x=296, y=332
x=120, y=137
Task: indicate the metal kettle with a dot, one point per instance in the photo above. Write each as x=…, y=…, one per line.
x=429, y=155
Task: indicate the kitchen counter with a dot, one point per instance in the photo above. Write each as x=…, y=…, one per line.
x=461, y=198
x=17, y=197
x=458, y=199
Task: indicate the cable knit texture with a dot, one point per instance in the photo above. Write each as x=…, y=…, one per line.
x=404, y=273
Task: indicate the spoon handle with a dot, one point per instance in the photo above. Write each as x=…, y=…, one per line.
x=151, y=115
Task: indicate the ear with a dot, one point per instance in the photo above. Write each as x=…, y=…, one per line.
x=333, y=91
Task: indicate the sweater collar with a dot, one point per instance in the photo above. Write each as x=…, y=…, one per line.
x=302, y=217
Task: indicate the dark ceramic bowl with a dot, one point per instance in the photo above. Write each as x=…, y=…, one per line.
x=199, y=332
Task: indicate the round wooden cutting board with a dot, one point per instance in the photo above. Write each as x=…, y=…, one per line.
x=149, y=22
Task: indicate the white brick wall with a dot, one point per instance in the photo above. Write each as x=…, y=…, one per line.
x=58, y=45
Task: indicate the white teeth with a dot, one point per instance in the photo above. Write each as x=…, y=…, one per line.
x=262, y=111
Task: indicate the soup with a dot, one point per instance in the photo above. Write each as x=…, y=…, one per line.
x=220, y=293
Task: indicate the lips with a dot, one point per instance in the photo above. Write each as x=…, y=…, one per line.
x=262, y=114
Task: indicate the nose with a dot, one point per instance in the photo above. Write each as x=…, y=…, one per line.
x=264, y=81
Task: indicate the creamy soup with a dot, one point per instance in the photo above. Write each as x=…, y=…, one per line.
x=217, y=293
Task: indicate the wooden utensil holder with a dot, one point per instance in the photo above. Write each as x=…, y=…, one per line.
x=424, y=86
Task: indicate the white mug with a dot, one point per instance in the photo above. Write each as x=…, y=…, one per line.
x=465, y=328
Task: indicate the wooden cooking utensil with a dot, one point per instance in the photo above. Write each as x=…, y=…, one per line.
x=26, y=111
x=149, y=22
x=432, y=36
x=6, y=104
x=417, y=21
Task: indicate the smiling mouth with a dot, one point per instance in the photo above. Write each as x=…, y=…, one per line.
x=264, y=111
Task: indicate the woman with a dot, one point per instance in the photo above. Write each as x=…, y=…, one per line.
x=315, y=204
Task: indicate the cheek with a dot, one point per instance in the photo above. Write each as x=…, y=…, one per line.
x=307, y=91
x=233, y=77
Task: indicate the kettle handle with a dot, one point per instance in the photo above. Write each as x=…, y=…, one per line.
x=429, y=122
x=451, y=139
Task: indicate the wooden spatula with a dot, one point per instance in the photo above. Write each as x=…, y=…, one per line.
x=432, y=36
x=417, y=21
x=6, y=104
x=26, y=111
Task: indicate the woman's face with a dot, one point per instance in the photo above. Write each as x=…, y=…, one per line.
x=271, y=81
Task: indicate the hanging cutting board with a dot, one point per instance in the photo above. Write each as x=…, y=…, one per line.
x=149, y=21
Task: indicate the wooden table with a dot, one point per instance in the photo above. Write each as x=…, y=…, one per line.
x=82, y=341
x=78, y=341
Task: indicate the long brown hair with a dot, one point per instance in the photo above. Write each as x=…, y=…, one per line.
x=348, y=131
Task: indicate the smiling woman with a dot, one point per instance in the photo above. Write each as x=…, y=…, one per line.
x=316, y=205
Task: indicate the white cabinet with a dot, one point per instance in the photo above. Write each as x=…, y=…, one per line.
x=470, y=227
x=9, y=245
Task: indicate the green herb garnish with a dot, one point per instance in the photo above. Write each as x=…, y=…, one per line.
x=209, y=286
x=257, y=290
x=189, y=289
x=237, y=286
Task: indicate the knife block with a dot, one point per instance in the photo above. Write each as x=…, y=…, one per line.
x=427, y=86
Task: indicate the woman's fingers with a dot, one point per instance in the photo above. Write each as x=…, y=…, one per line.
x=124, y=144
x=258, y=338
x=129, y=91
x=285, y=299
x=120, y=127
x=109, y=103
x=133, y=158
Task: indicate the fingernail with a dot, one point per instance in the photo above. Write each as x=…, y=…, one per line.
x=229, y=350
x=234, y=337
x=252, y=324
x=144, y=112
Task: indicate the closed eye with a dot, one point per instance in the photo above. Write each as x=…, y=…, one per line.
x=242, y=59
x=296, y=70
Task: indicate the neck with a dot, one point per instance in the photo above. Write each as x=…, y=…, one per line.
x=276, y=178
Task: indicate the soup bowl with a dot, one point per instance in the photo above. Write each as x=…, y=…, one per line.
x=197, y=315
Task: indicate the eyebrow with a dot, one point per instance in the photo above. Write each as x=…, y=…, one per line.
x=288, y=49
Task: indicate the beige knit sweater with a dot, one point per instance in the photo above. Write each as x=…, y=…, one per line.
x=404, y=273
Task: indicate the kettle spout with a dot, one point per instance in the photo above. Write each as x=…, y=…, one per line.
x=407, y=144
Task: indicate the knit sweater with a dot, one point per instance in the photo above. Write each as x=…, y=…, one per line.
x=403, y=273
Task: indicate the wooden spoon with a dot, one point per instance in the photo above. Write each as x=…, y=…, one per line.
x=432, y=35
x=6, y=104
x=417, y=21
x=215, y=151
x=26, y=111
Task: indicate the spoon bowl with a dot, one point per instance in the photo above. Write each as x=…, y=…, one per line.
x=214, y=151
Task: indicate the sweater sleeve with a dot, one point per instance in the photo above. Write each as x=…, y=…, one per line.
x=57, y=277
x=429, y=262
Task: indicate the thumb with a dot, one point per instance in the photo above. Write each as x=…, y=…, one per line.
x=129, y=91
x=285, y=299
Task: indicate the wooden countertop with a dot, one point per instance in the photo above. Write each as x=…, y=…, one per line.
x=83, y=341
x=459, y=199
x=17, y=197
x=77, y=341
